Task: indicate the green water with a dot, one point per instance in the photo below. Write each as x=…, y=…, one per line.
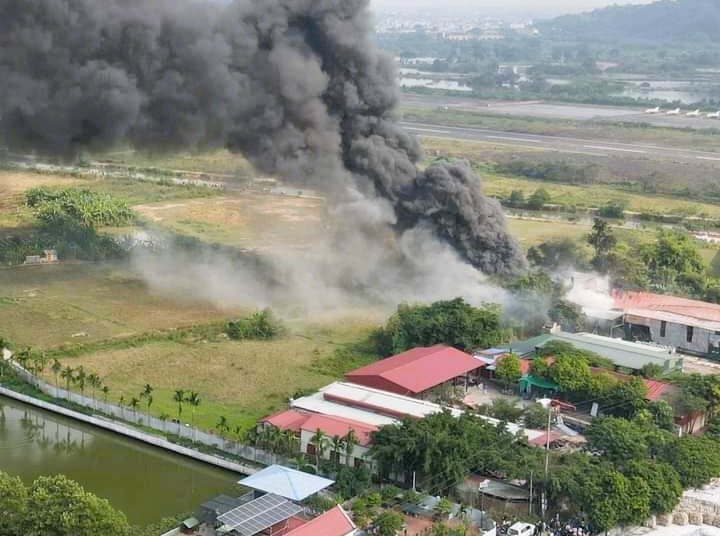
x=144, y=482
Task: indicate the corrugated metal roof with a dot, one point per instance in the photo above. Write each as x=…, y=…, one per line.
x=622, y=353
x=287, y=420
x=683, y=310
x=337, y=426
x=419, y=369
x=334, y=522
x=285, y=482
x=316, y=403
x=376, y=400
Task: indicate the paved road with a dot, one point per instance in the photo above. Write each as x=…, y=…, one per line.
x=574, y=112
x=563, y=144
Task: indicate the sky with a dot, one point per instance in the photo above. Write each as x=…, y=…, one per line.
x=514, y=8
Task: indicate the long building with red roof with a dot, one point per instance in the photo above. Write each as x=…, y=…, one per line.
x=418, y=371
x=305, y=426
x=689, y=325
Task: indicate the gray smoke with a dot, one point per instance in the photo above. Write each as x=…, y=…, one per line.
x=294, y=85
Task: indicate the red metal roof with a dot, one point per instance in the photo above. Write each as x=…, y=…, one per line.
x=655, y=389
x=639, y=301
x=541, y=441
x=286, y=527
x=287, y=419
x=416, y=370
x=331, y=426
x=334, y=522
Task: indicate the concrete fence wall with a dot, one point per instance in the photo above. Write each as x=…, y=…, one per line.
x=141, y=418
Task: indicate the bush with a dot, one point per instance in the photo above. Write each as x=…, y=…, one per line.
x=538, y=199
x=80, y=205
x=505, y=410
x=536, y=416
x=613, y=209
x=258, y=326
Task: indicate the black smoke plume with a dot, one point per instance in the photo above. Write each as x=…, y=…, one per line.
x=295, y=85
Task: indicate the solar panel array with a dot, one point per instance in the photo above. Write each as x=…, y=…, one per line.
x=256, y=516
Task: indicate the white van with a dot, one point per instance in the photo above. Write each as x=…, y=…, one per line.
x=521, y=529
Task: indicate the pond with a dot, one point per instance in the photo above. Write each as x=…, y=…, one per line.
x=144, y=482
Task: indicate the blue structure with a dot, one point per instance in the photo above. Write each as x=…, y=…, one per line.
x=285, y=482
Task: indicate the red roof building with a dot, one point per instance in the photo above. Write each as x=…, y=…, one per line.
x=329, y=425
x=334, y=522
x=416, y=371
x=655, y=389
x=287, y=420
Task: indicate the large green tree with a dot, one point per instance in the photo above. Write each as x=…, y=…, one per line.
x=617, y=440
x=454, y=323
x=58, y=506
x=13, y=505
x=508, y=371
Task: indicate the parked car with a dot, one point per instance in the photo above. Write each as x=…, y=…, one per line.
x=521, y=529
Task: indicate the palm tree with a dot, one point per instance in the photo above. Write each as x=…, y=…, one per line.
x=147, y=395
x=223, y=428
x=337, y=443
x=194, y=400
x=179, y=397
x=39, y=362
x=67, y=375
x=319, y=441
x=134, y=404
x=94, y=382
x=291, y=443
x=56, y=368
x=105, y=390
x=350, y=441
x=121, y=403
x=81, y=378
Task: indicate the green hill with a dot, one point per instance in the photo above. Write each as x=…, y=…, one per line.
x=663, y=21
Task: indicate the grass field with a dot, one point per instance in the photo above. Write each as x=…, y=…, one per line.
x=601, y=130
x=219, y=161
x=597, y=195
x=45, y=306
x=240, y=380
x=246, y=220
x=484, y=154
x=531, y=232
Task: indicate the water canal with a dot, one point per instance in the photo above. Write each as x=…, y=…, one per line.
x=144, y=482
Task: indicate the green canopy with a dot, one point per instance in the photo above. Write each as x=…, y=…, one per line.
x=190, y=523
x=532, y=381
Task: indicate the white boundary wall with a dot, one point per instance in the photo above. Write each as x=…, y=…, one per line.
x=138, y=417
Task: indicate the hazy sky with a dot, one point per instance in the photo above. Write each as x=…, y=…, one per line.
x=534, y=8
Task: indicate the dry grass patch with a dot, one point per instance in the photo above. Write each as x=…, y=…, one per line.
x=13, y=212
x=48, y=306
x=247, y=221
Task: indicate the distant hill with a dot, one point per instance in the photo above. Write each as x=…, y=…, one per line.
x=663, y=21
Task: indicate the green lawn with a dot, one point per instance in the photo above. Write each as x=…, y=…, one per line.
x=242, y=381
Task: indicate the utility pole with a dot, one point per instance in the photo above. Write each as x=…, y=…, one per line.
x=531, y=492
x=546, y=403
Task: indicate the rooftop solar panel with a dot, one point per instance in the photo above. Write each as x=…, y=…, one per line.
x=254, y=517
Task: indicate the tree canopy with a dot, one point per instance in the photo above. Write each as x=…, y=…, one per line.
x=56, y=506
x=454, y=323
